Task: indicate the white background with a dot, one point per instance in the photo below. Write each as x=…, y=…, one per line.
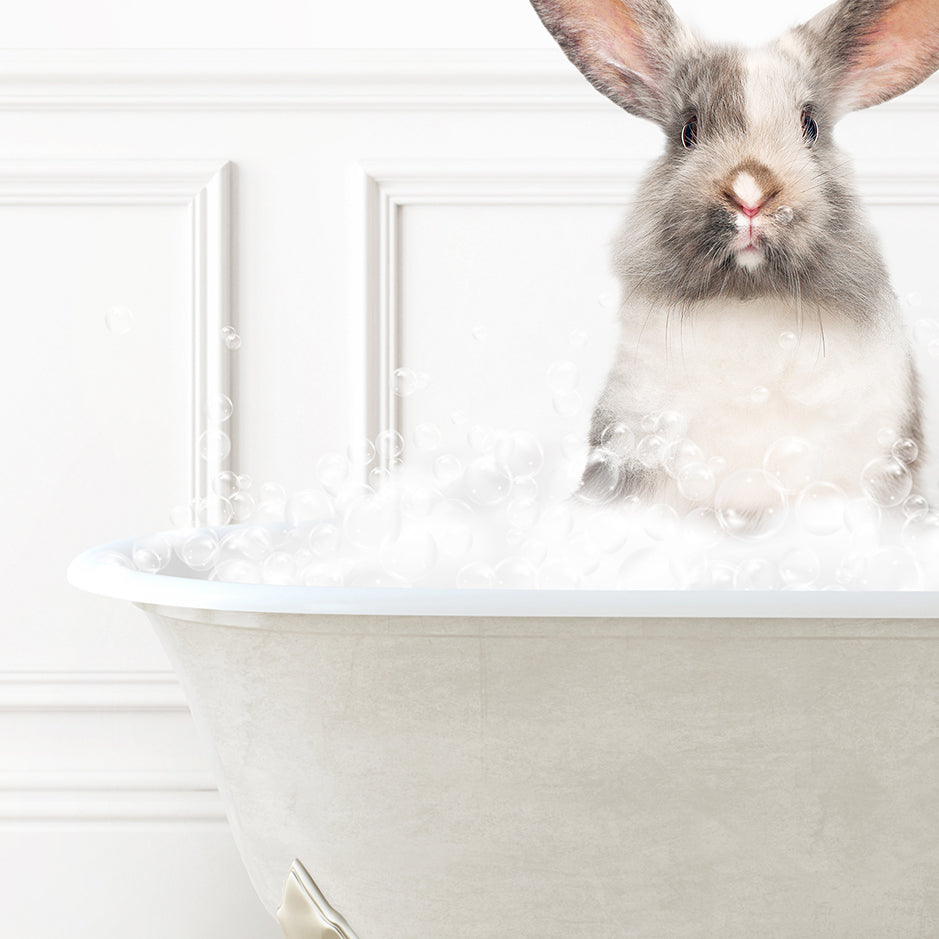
x=508, y=174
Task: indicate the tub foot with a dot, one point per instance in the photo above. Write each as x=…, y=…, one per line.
x=304, y=912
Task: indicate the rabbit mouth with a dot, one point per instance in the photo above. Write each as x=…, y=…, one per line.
x=750, y=256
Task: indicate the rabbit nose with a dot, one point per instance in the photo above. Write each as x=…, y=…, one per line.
x=750, y=210
x=749, y=187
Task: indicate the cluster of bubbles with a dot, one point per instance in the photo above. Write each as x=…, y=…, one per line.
x=502, y=509
x=494, y=515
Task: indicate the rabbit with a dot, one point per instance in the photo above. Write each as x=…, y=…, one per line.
x=757, y=315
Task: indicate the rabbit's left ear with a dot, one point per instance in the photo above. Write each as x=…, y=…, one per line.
x=877, y=49
x=626, y=48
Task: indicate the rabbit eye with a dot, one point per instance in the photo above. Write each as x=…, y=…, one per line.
x=689, y=133
x=809, y=127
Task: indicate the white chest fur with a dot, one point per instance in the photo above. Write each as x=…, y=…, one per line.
x=746, y=373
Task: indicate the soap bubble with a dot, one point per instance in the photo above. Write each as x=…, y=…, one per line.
x=225, y=484
x=476, y=576
x=419, y=499
x=332, y=471
x=243, y=506
x=791, y=463
x=557, y=522
x=660, y=522
x=520, y=453
x=701, y=528
x=379, y=477
x=237, y=571
x=119, y=321
x=525, y=488
x=892, y=568
x=321, y=575
x=453, y=528
x=601, y=479
x=887, y=436
x=788, y=340
x=905, y=450
x=650, y=568
x=458, y=417
x=651, y=450
x=252, y=543
x=480, y=334
x=749, y=505
x=370, y=519
x=680, y=453
x=915, y=507
x=199, y=549
x=567, y=405
x=577, y=338
x=799, y=567
x=230, y=337
x=361, y=452
x=759, y=395
x=488, y=481
x=821, y=508
x=515, y=573
x=481, y=438
x=273, y=492
x=447, y=469
x=219, y=408
x=926, y=331
x=886, y=481
x=427, y=437
x=922, y=534
x=279, y=568
x=412, y=555
x=116, y=559
x=555, y=575
x=672, y=425
x=390, y=446
x=522, y=513
x=696, y=481
x=862, y=517
x=608, y=531
x=562, y=377
x=324, y=539
x=151, y=554
x=618, y=438
x=308, y=505
x=405, y=382
x=214, y=445
x=756, y=574
x=784, y=215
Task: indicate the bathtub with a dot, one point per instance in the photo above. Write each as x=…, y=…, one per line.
x=433, y=764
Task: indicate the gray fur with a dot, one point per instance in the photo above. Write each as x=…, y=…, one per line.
x=677, y=246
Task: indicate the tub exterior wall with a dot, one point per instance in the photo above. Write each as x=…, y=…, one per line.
x=488, y=778
x=105, y=793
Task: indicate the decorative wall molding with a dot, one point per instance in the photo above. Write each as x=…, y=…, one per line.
x=82, y=691
x=107, y=801
x=288, y=79
x=204, y=189
x=65, y=795
x=390, y=187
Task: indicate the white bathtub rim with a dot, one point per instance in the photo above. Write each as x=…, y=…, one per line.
x=92, y=572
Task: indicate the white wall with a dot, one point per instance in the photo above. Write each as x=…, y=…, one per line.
x=495, y=169
x=416, y=24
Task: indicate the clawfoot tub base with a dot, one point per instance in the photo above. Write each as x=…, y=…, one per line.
x=304, y=912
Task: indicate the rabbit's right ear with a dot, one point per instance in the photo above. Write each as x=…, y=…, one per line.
x=626, y=48
x=874, y=49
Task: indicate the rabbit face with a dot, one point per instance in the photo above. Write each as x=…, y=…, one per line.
x=751, y=195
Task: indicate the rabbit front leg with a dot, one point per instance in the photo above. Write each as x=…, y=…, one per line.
x=614, y=470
